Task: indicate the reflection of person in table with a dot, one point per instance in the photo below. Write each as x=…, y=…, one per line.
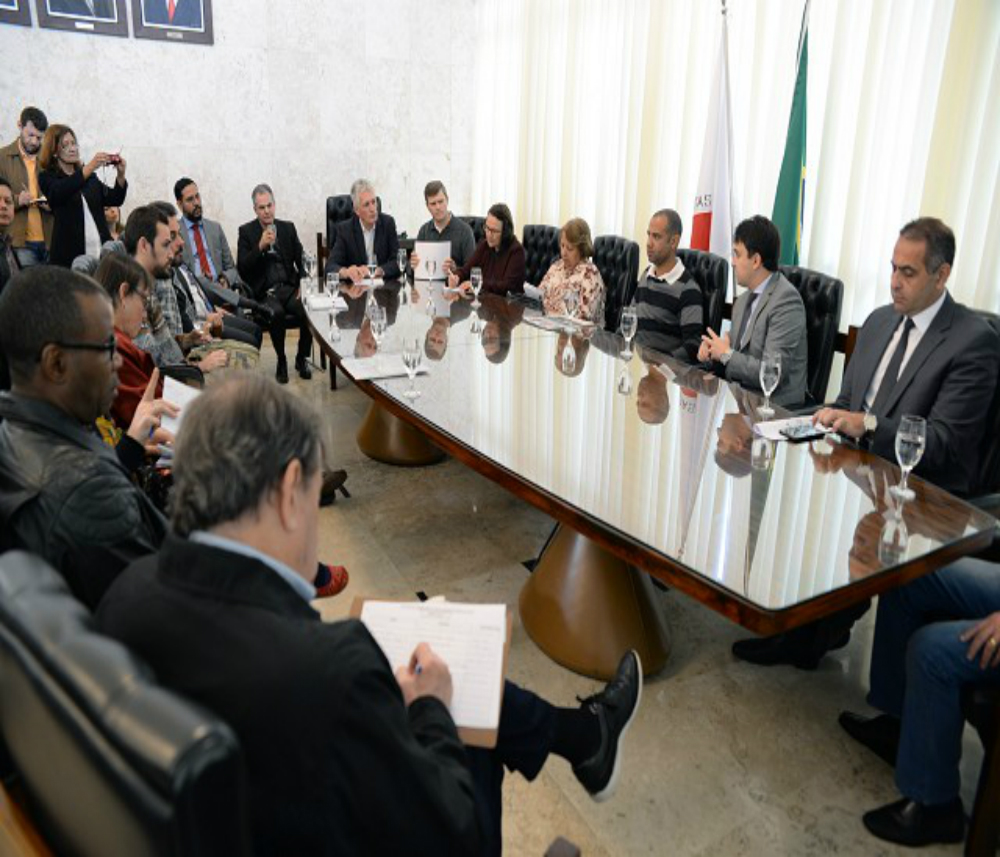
x=652, y=401
x=580, y=345
x=500, y=317
x=187, y=14
x=436, y=340
x=365, y=345
x=103, y=10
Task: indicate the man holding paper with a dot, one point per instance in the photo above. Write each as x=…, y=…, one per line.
x=343, y=756
x=443, y=227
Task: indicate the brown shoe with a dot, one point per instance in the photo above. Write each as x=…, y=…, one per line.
x=333, y=481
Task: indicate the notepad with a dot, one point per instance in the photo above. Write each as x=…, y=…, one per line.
x=471, y=638
x=377, y=368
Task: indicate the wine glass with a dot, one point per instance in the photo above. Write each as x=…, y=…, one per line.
x=570, y=301
x=476, y=281
x=629, y=323
x=412, y=355
x=270, y=248
x=401, y=259
x=770, y=374
x=372, y=266
x=911, y=438
x=310, y=263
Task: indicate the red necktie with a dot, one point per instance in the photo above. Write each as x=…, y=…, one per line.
x=170, y=11
x=206, y=269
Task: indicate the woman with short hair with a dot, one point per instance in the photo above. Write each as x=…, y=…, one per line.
x=574, y=273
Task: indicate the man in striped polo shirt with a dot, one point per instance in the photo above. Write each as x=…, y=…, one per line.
x=668, y=300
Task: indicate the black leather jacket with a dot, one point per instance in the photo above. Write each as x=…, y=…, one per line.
x=65, y=496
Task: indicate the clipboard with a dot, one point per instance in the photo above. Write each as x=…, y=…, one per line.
x=485, y=738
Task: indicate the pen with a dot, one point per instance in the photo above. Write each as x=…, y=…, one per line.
x=418, y=669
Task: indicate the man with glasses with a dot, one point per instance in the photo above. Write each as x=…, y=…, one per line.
x=63, y=493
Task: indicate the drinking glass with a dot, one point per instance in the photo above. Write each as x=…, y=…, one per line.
x=476, y=281
x=310, y=264
x=911, y=438
x=629, y=323
x=402, y=259
x=412, y=355
x=270, y=247
x=770, y=374
x=570, y=301
x=372, y=266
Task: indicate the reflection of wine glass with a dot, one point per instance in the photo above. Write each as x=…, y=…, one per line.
x=331, y=284
x=376, y=315
x=893, y=540
x=334, y=330
x=401, y=259
x=629, y=323
x=476, y=281
x=625, y=380
x=911, y=438
x=412, y=354
x=761, y=453
x=770, y=374
x=372, y=267
x=430, y=266
x=568, y=358
x=475, y=326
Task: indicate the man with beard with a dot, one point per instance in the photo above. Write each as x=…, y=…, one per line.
x=31, y=230
x=206, y=250
x=63, y=493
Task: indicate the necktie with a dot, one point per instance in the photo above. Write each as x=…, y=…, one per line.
x=744, y=322
x=892, y=371
x=171, y=8
x=206, y=268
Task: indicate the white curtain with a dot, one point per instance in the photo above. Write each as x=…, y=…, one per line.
x=597, y=109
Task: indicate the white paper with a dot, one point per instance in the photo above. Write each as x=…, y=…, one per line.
x=317, y=303
x=469, y=638
x=435, y=252
x=533, y=291
x=177, y=394
x=376, y=368
x=772, y=429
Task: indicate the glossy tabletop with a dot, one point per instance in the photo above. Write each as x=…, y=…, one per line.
x=655, y=460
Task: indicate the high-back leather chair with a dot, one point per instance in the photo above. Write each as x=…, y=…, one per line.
x=541, y=249
x=338, y=209
x=617, y=259
x=478, y=226
x=989, y=456
x=711, y=273
x=823, y=297
x=108, y=762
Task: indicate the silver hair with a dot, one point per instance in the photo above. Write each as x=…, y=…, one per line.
x=261, y=188
x=237, y=440
x=359, y=187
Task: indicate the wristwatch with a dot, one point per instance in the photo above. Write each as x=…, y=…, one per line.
x=870, y=423
x=725, y=358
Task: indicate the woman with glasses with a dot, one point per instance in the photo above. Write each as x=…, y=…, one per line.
x=500, y=257
x=76, y=195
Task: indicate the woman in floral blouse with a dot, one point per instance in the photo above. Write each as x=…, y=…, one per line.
x=574, y=273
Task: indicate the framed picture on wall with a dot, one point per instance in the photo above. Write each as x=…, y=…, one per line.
x=101, y=17
x=173, y=20
x=15, y=12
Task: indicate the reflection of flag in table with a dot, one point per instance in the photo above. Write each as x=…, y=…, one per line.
x=790, y=196
x=712, y=225
x=698, y=415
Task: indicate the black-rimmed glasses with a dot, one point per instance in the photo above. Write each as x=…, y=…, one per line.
x=108, y=346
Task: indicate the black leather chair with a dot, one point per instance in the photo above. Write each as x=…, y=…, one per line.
x=823, y=297
x=338, y=209
x=988, y=490
x=478, y=225
x=981, y=705
x=617, y=259
x=711, y=273
x=541, y=249
x=108, y=763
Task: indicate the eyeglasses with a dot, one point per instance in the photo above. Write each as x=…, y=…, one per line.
x=493, y=231
x=107, y=347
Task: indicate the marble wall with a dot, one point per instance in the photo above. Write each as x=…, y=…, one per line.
x=305, y=95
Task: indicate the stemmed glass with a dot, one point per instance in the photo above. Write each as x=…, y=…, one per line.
x=770, y=374
x=402, y=258
x=629, y=322
x=270, y=248
x=376, y=315
x=310, y=264
x=372, y=266
x=570, y=301
x=412, y=355
x=476, y=281
x=911, y=438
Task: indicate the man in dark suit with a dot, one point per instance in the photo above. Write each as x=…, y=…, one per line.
x=173, y=13
x=269, y=259
x=365, y=234
x=923, y=355
x=343, y=756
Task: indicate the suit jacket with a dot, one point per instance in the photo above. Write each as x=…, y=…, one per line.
x=253, y=264
x=949, y=380
x=12, y=168
x=187, y=13
x=779, y=325
x=217, y=248
x=67, y=195
x=349, y=247
x=336, y=763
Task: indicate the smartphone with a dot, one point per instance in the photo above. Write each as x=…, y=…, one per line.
x=802, y=433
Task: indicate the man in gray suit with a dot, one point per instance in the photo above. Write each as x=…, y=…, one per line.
x=206, y=250
x=768, y=318
x=924, y=355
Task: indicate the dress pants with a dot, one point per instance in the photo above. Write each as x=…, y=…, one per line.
x=919, y=665
x=288, y=312
x=527, y=727
x=241, y=330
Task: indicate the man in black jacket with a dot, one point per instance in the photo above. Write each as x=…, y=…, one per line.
x=269, y=259
x=343, y=756
x=368, y=233
x=63, y=493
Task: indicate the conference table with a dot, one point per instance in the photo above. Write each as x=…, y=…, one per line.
x=651, y=468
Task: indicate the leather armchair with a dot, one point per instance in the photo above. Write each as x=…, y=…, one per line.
x=338, y=209
x=711, y=273
x=541, y=249
x=981, y=707
x=617, y=259
x=478, y=225
x=823, y=297
x=988, y=491
x=109, y=763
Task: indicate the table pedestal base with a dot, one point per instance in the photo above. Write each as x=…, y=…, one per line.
x=388, y=439
x=585, y=608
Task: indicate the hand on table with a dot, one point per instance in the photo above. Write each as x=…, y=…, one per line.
x=847, y=423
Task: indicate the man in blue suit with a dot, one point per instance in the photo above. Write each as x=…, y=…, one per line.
x=174, y=13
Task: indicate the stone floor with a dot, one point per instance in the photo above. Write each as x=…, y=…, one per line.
x=723, y=758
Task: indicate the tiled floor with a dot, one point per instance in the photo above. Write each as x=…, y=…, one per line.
x=723, y=758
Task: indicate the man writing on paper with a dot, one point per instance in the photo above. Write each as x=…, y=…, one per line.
x=444, y=226
x=343, y=757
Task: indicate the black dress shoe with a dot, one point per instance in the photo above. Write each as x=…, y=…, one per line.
x=910, y=823
x=302, y=367
x=615, y=706
x=333, y=481
x=784, y=649
x=281, y=375
x=879, y=734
